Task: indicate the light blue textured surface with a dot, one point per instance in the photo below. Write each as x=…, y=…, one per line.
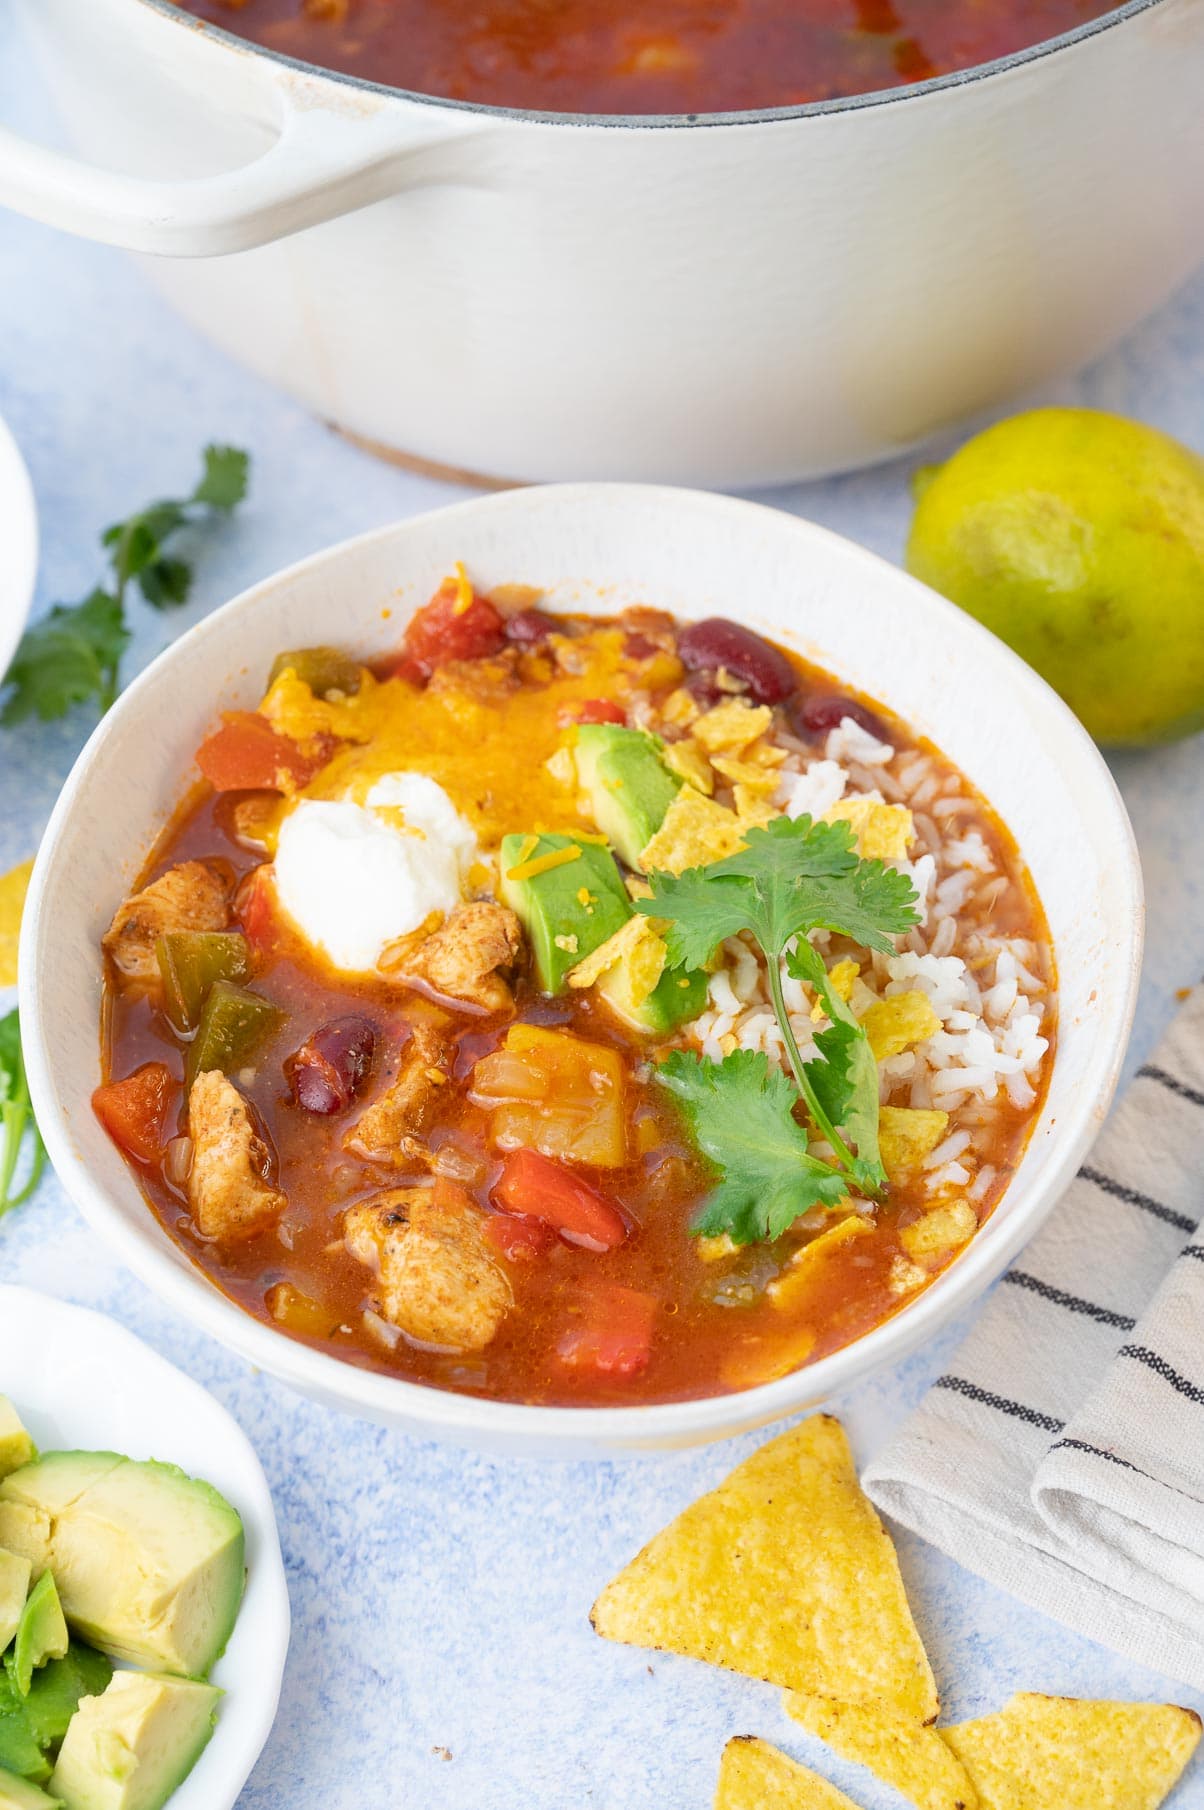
x=440, y=1600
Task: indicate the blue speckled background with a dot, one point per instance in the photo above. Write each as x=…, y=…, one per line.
x=440, y=1600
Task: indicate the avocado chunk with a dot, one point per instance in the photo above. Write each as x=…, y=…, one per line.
x=566, y=910
x=15, y=1573
x=677, y=997
x=20, y=1750
x=129, y=1748
x=16, y=1447
x=21, y=1794
x=56, y=1689
x=148, y=1561
x=628, y=785
x=42, y=1634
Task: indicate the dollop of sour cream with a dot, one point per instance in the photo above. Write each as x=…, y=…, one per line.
x=354, y=878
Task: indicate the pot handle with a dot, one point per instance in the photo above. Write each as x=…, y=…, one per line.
x=321, y=164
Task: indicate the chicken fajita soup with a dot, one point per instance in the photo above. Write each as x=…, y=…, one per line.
x=573, y=1009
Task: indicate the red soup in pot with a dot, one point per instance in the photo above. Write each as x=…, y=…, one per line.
x=572, y=1009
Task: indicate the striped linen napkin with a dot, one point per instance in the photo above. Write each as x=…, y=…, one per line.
x=1062, y=1455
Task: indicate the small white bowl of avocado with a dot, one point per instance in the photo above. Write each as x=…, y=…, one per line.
x=143, y=1610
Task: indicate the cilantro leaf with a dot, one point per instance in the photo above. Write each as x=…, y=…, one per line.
x=135, y=546
x=845, y=1074
x=69, y=657
x=16, y=1117
x=740, y=1111
x=223, y=484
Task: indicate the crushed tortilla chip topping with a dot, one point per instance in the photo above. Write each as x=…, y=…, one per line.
x=746, y=773
x=13, y=887
x=906, y=1134
x=896, y=1024
x=753, y=807
x=881, y=831
x=841, y=976
x=1075, y=1754
x=755, y=1776
x=787, y=1288
x=680, y=709
x=902, y=1753
x=695, y=832
x=732, y=726
x=687, y=760
x=785, y=1573
x=941, y=1229
x=639, y=946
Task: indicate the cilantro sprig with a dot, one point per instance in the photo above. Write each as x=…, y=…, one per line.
x=792, y=877
x=16, y=1119
x=73, y=654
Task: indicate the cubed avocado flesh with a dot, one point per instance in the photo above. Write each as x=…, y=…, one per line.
x=677, y=997
x=15, y=1572
x=148, y=1561
x=129, y=1748
x=20, y=1750
x=628, y=785
x=16, y=1447
x=567, y=910
x=56, y=1690
x=42, y=1634
x=22, y=1794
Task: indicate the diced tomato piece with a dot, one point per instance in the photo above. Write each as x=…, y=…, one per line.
x=133, y=1111
x=518, y=1237
x=447, y=629
x=594, y=710
x=533, y=1184
x=254, y=907
x=247, y=755
x=615, y=1335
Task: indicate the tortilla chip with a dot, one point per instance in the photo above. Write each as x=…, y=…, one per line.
x=881, y=831
x=1075, y=1754
x=792, y=1283
x=695, y=832
x=941, y=1229
x=914, y=1760
x=637, y=943
x=894, y=1025
x=733, y=725
x=906, y=1134
x=755, y=1776
x=13, y=887
x=687, y=760
x=753, y=808
x=680, y=708
x=750, y=773
x=785, y=1573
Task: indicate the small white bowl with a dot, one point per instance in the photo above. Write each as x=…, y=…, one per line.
x=18, y=546
x=595, y=547
x=79, y=1380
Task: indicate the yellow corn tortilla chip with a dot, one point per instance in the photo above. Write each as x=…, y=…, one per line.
x=785, y=1573
x=750, y=773
x=941, y=1229
x=732, y=726
x=13, y=887
x=906, y=1134
x=913, y=1759
x=881, y=831
x=687, y=760
x=638, y=944
x=894, y=1025
x=787, y=1288
x=695, y=832
x=753, y=808
x=755, y=1776
x=1075, y=1754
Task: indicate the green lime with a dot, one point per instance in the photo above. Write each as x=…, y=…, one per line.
x=1078, y=538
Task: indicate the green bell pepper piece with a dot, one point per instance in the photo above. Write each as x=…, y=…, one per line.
x=323, y=669
x=233, y=1025
x=191, y=961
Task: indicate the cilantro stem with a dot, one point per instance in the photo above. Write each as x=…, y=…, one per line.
x=823, y=1123
x=16, y=1117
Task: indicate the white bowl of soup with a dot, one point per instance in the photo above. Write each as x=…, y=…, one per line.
x=704, y=243
x=357, y=1023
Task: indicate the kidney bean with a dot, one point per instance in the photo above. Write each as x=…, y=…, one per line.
x=766, y=674
x=529, y=627
x=817, y=714
x=328, y=1071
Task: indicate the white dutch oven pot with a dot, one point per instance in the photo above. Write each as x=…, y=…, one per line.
x=730, y=300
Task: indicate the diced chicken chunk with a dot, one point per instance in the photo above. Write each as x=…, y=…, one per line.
x=227, y=1189
x=390, y=1131
x=463, y=960
x=438, y=1281
x=188, y=897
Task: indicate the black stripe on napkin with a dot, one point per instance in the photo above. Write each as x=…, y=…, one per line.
x=1143, y=1355
x=1149, y=1071
x=1017, y=1410
x=1193, y=1250
x=1097, y=1451
x=1132, y=1198
x=1073, y=1303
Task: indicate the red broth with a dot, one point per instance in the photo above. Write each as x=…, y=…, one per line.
x=665, y=56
